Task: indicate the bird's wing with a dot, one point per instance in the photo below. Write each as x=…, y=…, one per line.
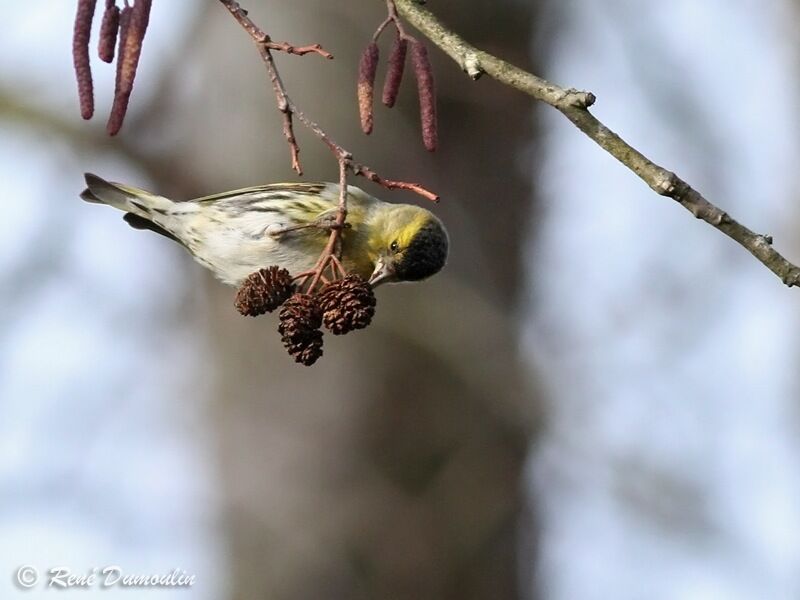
x=291, y=205
x=272, y=191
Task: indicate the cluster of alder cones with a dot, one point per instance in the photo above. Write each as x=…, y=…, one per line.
x=342, y=306
x=127, y=25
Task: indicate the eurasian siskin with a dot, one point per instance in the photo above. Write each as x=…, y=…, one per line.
x=286, y=224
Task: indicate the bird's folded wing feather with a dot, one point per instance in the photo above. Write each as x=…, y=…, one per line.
x=276, y=191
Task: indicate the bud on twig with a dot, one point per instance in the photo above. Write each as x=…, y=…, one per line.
x=80, y=56
x=394, y=74
x=133, y=26
x=108, y=32
x=367, y=68
x=427, y=95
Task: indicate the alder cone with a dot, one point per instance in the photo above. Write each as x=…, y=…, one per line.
x=300, y=320
x=263, y=291
x=347, y=304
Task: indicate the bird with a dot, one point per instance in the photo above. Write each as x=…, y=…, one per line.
x=236, y=233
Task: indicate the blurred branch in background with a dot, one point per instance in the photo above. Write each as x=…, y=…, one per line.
x=575, y=105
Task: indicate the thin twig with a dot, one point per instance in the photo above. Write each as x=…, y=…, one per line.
x=395, y=20
x=389, y=184
x=575, y=105
x=298, y=50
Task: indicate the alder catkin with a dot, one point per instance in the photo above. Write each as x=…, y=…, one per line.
x=108, y=32
x=132, y=28
x=427, y=95
x=80, y=56
x=394, y=73
x=122, y=35
x=367, y=67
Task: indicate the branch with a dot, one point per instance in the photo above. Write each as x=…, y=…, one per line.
x=574, y=105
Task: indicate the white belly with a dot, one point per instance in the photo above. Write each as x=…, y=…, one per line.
x=233, y=248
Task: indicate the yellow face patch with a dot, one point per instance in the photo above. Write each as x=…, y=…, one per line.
x=400, y=225
x=394, y=231
x=409, y=230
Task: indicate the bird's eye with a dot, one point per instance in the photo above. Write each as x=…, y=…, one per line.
x=394, y=247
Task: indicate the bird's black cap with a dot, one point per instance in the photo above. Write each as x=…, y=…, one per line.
x=425, y=255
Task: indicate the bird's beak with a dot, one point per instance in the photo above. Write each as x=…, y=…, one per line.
x=383, y=272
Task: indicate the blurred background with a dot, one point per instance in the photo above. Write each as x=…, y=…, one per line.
x=597, y=399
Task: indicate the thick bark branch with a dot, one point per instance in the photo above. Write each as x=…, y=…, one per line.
x=574, y=105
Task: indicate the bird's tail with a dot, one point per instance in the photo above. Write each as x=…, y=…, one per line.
x=123, y=197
